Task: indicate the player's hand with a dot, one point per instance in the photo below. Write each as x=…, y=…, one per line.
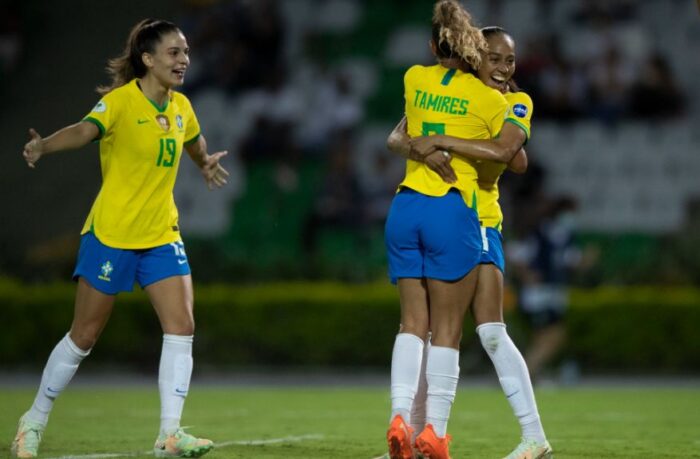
x=33, y=149
x=424, y=145
x=439, y=162
x=214, y=174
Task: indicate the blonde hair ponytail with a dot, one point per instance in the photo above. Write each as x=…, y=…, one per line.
x=454, y=33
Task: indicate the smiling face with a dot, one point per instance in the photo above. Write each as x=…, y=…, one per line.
x=169, y=61
x=498, y=64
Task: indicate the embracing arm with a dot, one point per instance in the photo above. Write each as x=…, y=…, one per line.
x=502, y=149
x=438, y=161
x=214, y=174
x=69, y=138
x=518, y=164
x=399, y=141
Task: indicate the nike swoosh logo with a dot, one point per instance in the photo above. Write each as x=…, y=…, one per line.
x=178, y=391
x=52, y=390
x=182, y=262
x=142, y=121
x=509, y=396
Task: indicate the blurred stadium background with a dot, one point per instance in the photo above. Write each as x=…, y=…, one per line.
x=288, y=260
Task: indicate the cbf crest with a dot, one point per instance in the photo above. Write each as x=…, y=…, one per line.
x=106, y=269
x=163, y=122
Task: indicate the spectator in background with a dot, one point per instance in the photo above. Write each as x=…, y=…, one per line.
x=611, y=79
x=656, y=95
x=541, y=263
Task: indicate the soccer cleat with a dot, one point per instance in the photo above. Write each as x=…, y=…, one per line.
x=531, y=449
x=430, y=446
x=181, y=444
x=399, y=439
x=26, y=442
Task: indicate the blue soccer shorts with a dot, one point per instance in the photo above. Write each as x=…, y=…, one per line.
x=431, y=237
x=111, y=270
x=492, y=253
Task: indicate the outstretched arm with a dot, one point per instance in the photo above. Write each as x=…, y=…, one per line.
x=214, y=174
x=502, y=149
x=68, y=138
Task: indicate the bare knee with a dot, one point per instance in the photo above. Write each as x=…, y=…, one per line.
x=418, y=328
x=183, y=326
x=85, y=337
x=446, y=337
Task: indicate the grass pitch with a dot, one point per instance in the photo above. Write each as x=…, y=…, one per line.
x=275, y=423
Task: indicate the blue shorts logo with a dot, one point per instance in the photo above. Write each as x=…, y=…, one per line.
x=106, y=269
x=520, y=110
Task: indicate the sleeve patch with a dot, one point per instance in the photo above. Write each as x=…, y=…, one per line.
x=101, y=107
x=520, y=110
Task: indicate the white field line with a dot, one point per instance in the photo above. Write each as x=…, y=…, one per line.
x=267, y=441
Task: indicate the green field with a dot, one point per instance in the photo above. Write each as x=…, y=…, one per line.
x=330, y=422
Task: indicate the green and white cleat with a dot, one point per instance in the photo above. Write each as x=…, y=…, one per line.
x=530, y=449
x=26, y=442
x=181, y=444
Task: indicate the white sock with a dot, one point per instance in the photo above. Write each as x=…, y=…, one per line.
x=514, y=377
x=418, y=407
x=174, y=379
x=405, y=372
x=442, y=374
x=59, y=370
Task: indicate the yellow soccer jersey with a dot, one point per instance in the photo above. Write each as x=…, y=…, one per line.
x=450, y=102
x=520, y=114
x=140, y=149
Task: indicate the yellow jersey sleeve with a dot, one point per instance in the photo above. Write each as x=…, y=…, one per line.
x=192, y=128
x=105, y=114
x=520, y=112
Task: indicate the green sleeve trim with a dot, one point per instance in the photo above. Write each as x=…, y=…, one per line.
x=97, y=123
x=193, y=139
x=521, y=126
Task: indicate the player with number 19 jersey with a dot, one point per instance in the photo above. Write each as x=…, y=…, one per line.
x=140, y=148
x=455, y=103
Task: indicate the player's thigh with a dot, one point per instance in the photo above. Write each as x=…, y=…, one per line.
x=92, y=311
x=488, y=299
x=413, y=295
x=449, y=302
x=172, y=300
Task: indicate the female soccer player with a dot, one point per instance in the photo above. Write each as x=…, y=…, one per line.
x=496, y=70
x=131, y=234
x=432, y=230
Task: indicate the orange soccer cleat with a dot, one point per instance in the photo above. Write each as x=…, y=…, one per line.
x=430, y=446
x=399, y=439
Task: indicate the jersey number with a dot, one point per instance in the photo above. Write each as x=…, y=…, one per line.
x=166, y=155
x=433, y=128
